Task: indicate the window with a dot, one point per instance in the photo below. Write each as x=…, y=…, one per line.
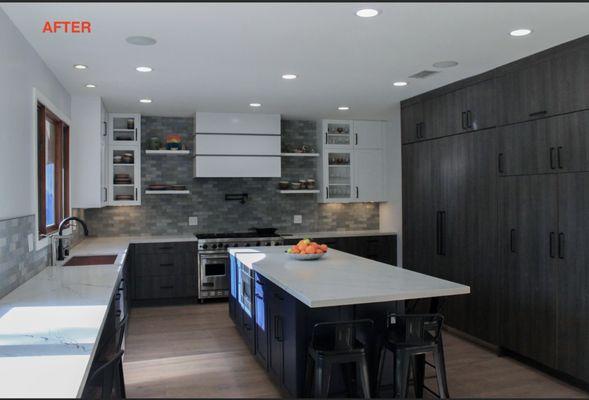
x=52, y=170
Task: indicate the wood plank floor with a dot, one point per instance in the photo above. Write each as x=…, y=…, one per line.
x=195, y=351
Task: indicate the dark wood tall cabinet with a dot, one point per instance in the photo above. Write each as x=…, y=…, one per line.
x=496, y=196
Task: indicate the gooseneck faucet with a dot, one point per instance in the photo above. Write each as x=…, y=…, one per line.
x=60, y=248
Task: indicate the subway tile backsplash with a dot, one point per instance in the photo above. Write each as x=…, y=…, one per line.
x=160, y=215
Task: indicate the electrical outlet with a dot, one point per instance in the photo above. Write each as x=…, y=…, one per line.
x=31, y=242
x=192, y=221
x=298, y=219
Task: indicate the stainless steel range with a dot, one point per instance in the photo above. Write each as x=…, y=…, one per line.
x=213, y=259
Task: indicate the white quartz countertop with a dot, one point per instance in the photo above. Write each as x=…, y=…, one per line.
x=340, y=278
x=49, y=328
x=116, y=244
x=330, y=234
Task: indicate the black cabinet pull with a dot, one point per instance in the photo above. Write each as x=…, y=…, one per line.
x=136, y=195
x=469, y=119
x=538, y=113
x=105, y=129
x=356, y=139
x=500, y=163
x=325, y=137
x=278, y=333
x=327, y=192
x=135, y=134
x=167, y=265
x=357, y=192
x=512, y=240
x=167, y=287
x=258, y=296
x=552, y=154
x=561, y=240
x=464, y=120
x=417, y=129
x=551, y=244
x=558, y=157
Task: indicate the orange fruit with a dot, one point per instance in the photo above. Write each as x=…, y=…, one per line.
x=318, y=251
x=323, y=247
x=310, y=250
x=296, y=250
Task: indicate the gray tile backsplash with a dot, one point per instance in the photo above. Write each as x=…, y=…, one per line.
x=17, y=264
x=159, y=215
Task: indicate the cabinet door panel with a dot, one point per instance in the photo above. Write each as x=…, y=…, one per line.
x=455, y=105
x=480, y=102
x=522, y=94
x=571, y=138
x=261, y=321
x=569, y=80
x=369, y=175
x=527, y=216
x=573, y=275
x=369, y=134
x=435, y=115
x=411, y=117
x=525, y=149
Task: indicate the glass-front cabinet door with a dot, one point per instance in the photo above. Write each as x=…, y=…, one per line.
x=338, y=133
x=125, y=129
x=338, y=173
x=125, y=176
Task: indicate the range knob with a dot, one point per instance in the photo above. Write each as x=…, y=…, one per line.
x=247, y=245
x=205, y=246
x=214, y=246
x=258, y=243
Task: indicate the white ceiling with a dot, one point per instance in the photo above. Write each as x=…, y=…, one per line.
x=220, y=57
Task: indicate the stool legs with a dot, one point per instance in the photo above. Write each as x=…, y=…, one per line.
x=362, y=372
x=380, y=370
x=418, y=374
x=322, y=378
x=441, y=371
x=401, y=374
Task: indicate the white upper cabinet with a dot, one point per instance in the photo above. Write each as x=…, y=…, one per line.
x=237, y=123
x=88, y=154
x=353, y=167
x=368, y=134
x=236, y=145
x=125, y=129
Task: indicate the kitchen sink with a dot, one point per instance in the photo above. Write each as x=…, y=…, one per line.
x=91, y=260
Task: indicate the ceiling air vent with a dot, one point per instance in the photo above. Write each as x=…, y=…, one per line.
x=423, y=74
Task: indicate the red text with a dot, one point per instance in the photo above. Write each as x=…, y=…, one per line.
x=67, y=27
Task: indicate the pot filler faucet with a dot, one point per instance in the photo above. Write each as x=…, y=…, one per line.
x=64, y=250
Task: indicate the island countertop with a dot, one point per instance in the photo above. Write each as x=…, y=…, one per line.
x=340, y=278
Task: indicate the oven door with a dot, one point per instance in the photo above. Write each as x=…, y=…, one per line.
x=213, y=272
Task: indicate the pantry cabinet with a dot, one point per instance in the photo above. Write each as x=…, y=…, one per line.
x=353, y=161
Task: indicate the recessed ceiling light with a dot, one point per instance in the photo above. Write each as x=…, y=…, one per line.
x=255, y=105
x=289, y=76
x=90, y=85
x=520, y=32
x=400, y=83
x=445, y=64
x=146, y=101
x=80, y=66
x=343, y=108
x=367, y=13
x=141, y=40
x=144, y=69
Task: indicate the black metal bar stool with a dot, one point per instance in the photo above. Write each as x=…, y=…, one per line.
x=107, y=378
x=410, y=336
x=335, y=343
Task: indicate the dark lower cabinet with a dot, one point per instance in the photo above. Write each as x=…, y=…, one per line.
x=163, y=270
x=261, y=326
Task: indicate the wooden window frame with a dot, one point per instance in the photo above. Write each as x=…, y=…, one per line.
x=62, y=173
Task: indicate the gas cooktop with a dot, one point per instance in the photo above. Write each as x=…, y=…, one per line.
x=231, y=235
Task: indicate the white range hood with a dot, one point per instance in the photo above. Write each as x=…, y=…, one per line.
x=232, y=145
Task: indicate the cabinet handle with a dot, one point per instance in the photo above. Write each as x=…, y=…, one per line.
x=105, y=194
x=135, y=134
x=552, y=154
x=136, y=196
x=417, y=130
x=327, y=192
x=259, y=297
x=105, y=129
x=325, y=137
x=464, y=120
x=538, y=113
x=356, y=139
x=551, y=244
x=278, y=334
x=469, y=119
x=167, y=287
x=561, y=240
x=357, y=192
x=558, y=157
x=512, y=240
x=500, y=163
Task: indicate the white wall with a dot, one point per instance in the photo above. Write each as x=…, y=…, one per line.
x=21, y=70
x=391, y=212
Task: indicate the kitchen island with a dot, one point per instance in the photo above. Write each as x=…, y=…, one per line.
x=275, y=301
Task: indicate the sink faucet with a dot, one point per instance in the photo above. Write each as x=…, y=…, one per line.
x=63, y=251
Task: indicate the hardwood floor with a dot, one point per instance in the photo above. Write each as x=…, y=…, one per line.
x=195, y=351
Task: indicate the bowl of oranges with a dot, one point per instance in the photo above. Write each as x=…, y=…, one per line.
x=307, y=250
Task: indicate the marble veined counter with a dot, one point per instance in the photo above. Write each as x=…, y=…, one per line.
x=342, y=279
